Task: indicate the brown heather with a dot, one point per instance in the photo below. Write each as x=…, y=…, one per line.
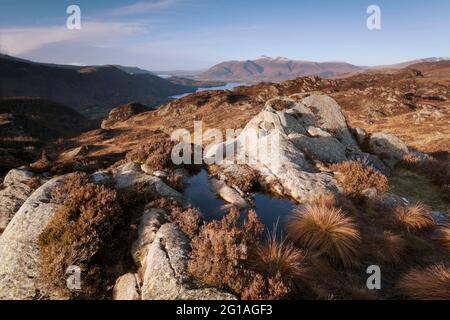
x=355, y=178
x=34, y=183
x=189, y=220
x=176, y=182
x=439, y=172
x=220, y=253
x=79, y=234
x=325, y=230
x=431, y=283
x=409, y=161
x=247, y=180
x=91, y=229
x=155, y=153
x=221, y=248
x=41, y=165
x=322, y=280
x=415, y=217
x=261, y=288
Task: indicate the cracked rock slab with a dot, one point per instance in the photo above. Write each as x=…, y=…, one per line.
x=13, y=194
x=127, y=288
x=228, y=194
x=165, y=275
x=19, y=249
x=131, y=174
x=150, y=222
x=389, y=147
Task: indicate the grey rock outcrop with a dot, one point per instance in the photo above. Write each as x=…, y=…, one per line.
x=13, y=194
x=327, y=149
x=228, y=194
x=309, y=132
x=127, y=287
x=19, y=250
x=441, y=218
x=389, y=147
x=131, y=174
x=123, y=113
x=361, y=135
x=77, y=152
x=149, y=224
x=386, y=199
x=165, y=276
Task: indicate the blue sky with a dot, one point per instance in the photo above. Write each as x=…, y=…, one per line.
x=194, y=34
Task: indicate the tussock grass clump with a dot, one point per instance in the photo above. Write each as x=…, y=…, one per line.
x=355, y=178
x=392, y=247
x=443, y=236
x=415, y=217
x=79, y=234
x=324, y=281
x=431, y=283
x=325, y=230
x=278, y=257
x=387, y=247
x=220, y=258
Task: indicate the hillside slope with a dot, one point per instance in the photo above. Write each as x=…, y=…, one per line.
x=27, y=124
x=93, y=91
x=407, y=103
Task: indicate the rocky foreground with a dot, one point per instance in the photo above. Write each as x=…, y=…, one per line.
x=314, y=139
x=314, y=136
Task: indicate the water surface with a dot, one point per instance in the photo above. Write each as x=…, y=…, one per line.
x=270, y=210
x=228, y=86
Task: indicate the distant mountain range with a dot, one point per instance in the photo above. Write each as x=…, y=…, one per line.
x=95, y=90
x=91, y=90
x=274, y=69
x=280, y=68
x=412, y=62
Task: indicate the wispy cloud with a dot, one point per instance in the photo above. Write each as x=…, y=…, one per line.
x=143, y=7
x=17, y=41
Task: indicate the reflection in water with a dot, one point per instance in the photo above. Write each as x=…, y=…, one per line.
x=198, y=191
x=269, y=209
x=272, y=210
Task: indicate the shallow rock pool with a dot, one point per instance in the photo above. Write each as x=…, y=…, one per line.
x=270, y=210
